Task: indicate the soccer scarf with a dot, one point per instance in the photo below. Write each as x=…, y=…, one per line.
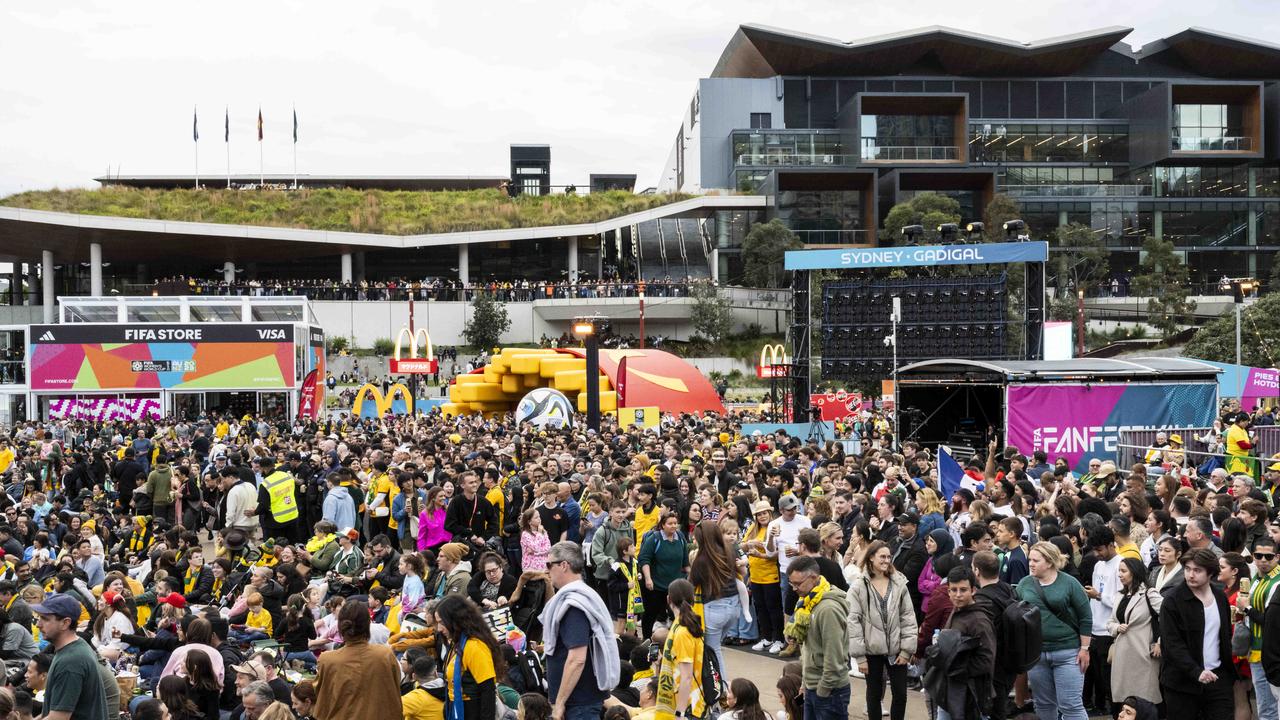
x=456, y=709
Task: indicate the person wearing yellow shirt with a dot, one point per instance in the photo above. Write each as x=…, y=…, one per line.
x=495, y=496
x=382, y=490
x=426, y=700
x=257, y=622
x=473, y=655
x=6, y=456
x=765, y=580
x=680, y=667
x=647, y=511
x=1238, y=446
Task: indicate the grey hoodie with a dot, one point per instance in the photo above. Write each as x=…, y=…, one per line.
x=824, y=654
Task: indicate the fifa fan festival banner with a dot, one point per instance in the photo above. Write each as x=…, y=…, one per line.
x=1079, y=422
x=213, y=356
x=108, y=409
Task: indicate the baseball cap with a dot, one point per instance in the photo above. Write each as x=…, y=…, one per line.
x=60, y=605
x=253, y=668
x=173, y=599
x=908, y=518
x=788, y=502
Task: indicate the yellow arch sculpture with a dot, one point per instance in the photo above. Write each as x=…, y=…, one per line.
x=381, y=402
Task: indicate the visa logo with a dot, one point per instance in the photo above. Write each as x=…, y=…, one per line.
x=271, y=334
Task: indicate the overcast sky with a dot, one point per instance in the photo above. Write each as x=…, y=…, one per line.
x=430, y=87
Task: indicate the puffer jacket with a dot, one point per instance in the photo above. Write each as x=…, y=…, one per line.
x=870, y=631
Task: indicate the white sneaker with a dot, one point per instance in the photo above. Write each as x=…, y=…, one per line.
x=884, y=712
x=760, y=645
x=854, y=673
x=776, y=647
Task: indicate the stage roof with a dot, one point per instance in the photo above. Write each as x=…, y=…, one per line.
x=1082, y=369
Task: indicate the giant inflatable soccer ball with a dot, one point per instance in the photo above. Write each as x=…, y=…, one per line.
x=545, y=407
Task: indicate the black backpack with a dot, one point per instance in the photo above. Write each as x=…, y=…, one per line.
x=528, y=667
x=1020, y=639
x=712, y=680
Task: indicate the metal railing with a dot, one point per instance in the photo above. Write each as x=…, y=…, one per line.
x=1133, y=444
x=401, y=291
x=1224, y=143
x=795, y=159
x=1076, y=190
x=936, y=153
x=833, y=237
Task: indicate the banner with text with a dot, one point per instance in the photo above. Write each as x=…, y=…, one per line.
x=1079, y=422
x=223, y=356
x=921, y=256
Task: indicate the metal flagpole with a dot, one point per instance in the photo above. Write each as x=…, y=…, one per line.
x=295, y=148
x=195, y=140
x=226, y=139
x=262, y=176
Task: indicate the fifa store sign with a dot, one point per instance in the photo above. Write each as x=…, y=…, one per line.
x=923, y=256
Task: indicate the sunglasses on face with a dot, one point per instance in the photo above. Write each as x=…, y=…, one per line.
x=1264, y=556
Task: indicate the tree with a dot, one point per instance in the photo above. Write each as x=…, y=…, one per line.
x=1162, y=278
x=927, y=209
x=1081, y=260
x=762, y=253
x=999, y=211
x=711, y=314
x=488, y=322
x=1259, y=335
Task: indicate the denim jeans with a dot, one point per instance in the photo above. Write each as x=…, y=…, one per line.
x=1262, y=689
x=832, y=707
x=583, y=712
x=1057, y=686
x=719, y=616
x=307, y=657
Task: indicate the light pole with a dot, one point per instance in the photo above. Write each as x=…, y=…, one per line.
x=895, y=316
x=640, y=287
x=1241, y=290
x=1080, y=322
x=586, y=327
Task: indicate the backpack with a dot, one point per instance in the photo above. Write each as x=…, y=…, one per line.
x=528, y=667
x=1020, y=639
x=711, y=682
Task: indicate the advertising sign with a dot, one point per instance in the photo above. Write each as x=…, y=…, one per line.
x=1079, y=422
x=773, y=362
x=838, y=406
x=922, y=256
x=258, y=356
x=108, y=409
x=307, y=407
x=1252, y=386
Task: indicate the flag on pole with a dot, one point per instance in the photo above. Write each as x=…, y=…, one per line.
x=950, y=474
x=195, y=125
x=259, y=124
x=295, y=126
x=226, y=126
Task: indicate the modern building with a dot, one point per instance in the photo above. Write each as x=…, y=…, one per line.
x=531, y=169
x=1178, y=139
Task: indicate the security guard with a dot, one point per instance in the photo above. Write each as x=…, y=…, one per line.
x=277, y=502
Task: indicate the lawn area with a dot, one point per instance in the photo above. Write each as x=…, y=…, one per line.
x=373, y=211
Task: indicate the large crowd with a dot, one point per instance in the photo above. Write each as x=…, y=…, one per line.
x=432, y=288
x=266, y=569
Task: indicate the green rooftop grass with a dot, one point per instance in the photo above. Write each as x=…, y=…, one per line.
x=374, y=211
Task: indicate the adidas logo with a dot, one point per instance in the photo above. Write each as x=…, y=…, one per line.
x=47, y=337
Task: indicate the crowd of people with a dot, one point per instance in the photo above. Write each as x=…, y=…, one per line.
x=434, y=288
x=264, y=568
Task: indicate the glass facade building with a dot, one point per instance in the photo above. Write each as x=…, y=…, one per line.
x=1179, y=140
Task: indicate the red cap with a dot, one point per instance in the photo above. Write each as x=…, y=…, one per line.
x=174, y=599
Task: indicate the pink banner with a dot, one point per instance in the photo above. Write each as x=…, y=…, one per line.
x=104, y=408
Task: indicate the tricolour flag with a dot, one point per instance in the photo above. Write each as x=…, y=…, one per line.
x=195, y=125
x=259, y=124
x=950, y=474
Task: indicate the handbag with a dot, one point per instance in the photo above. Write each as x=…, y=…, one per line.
x=1241, y=638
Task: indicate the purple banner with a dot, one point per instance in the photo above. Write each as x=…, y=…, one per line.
x=1261, y=383
x=1079, y=422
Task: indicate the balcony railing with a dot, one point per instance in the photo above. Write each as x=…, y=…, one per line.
x=796, y=159
x=935, y=153
x=1076, y=190
x=1225, y=143
x=833, y=237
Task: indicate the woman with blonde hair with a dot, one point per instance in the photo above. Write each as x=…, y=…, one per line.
x=931, y=512
x=980, y=512
x=1057, y=678
x=832, y=537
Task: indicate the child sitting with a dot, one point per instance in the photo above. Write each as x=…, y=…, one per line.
x=257, y=622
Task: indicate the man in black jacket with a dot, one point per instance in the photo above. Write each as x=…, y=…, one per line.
x=910, y=557
x=125, y=474
x=969, y=686
x=470, y=518
x=719, y=475
x=993, y=596
x=387, y=570
x=1196, y=677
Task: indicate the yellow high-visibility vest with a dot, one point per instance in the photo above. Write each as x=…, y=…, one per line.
x=280, y=486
